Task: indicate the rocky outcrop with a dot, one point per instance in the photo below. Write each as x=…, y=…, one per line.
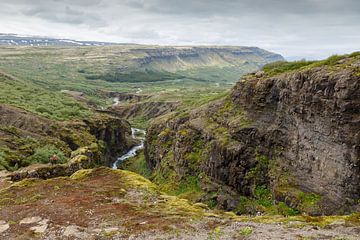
x=123, y=96
x=146, y=109
x=115, y=133
x=22, y=132
x=296, y=133
x=83, y=158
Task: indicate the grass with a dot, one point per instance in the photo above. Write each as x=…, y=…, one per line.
x=137, y=76
x=283, y=66
x=42, y=72
x=45, y=102
x=137, y=165
x=4, y=165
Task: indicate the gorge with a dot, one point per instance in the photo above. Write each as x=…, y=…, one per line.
x=274, y=154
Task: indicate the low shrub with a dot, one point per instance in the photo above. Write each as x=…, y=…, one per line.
x=43, y=154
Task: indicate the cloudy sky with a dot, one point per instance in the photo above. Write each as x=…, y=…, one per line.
x=293, y=28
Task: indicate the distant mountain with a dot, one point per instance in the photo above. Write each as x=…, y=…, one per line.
x=20, y=40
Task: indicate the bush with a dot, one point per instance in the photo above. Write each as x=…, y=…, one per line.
x=43, y=154
x=4, y=165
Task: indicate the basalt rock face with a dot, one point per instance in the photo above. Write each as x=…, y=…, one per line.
x=298, y=133
x=317, y=116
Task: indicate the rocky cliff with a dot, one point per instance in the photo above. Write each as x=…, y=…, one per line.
x=182, y=58
x=22, y=133
x=286, y=136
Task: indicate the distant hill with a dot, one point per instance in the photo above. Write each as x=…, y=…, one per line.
x=20, y=40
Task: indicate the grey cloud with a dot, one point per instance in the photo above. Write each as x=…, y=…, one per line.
x=65, y=14
x=307, y=28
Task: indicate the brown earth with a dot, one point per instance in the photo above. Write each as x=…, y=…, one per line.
x=115, y=204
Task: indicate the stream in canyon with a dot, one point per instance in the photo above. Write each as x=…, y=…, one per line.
x=137, y=134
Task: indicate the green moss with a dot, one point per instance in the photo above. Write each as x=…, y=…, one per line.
x=353, y=219
x=133, y=180
x=215, y=234
x=173, y=205
x=81, y=174
x=245, y=231
x=307, y=200
x=183, y=132
x=188, y=188
x=193, y=159
x=303, y=202
x=165, y=132
x=284, y=210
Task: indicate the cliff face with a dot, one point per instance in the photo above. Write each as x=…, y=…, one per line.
x=181, y=58
x=21, y=133
x=296, y=134
x=169, y=63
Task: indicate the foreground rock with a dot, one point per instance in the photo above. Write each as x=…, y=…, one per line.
x=291, y=137
x=114, y=204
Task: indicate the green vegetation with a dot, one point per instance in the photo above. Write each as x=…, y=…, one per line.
x=41, y=73
x=135, y=77
x=43, y=154
x=137, y=164
x=283, y=66
x=3, y=163
x=245, y=231
x=215, y=234
x=45, y=102
x=264, y=205
x=188, y=188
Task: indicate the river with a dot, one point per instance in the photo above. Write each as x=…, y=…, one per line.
x=138, y=134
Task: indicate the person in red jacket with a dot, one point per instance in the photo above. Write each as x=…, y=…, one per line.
x=53, y=159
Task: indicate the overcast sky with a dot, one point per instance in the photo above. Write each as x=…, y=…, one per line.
x=293, y=28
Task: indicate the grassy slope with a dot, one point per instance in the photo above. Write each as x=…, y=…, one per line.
x=42, y=72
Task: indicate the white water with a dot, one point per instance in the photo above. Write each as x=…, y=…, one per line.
x=136, y=134
x=116, y=101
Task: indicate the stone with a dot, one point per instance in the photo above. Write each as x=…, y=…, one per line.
x=111, y=229
x=39, y=229
x=30, y=220
x=4, y=226
x=74, y=231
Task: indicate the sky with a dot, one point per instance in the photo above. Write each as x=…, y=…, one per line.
x=311, y=29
